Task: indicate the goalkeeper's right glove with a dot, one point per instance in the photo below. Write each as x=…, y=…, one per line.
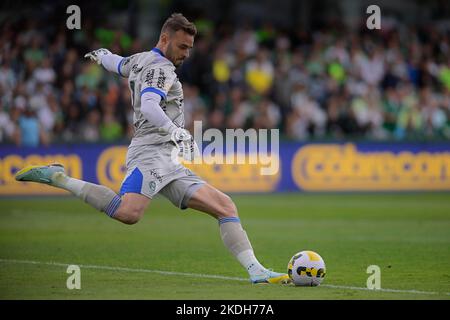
x=97, y=55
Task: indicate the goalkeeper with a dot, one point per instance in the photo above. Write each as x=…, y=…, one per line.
x=157, y=100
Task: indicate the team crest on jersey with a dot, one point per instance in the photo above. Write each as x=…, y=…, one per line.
x=152, y=186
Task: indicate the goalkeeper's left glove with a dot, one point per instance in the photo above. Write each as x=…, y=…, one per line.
x=185, y=143
x=97, y=55
x=183, y=140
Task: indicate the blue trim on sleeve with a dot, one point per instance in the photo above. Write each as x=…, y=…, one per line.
x=118, y=67
x=157, y=91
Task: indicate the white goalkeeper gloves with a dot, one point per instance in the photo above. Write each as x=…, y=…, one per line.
x=184, y=141
x=97, y=55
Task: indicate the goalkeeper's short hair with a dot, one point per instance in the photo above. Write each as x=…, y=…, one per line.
x=178, y=22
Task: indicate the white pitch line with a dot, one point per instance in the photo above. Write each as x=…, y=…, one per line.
x=173, y=273
x=207, y=276
x=384, y=290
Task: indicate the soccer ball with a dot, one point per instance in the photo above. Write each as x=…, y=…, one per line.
x=306, y=268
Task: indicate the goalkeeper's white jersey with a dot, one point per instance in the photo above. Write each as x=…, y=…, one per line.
x=151, y=72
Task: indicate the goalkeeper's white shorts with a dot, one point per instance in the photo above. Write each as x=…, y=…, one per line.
x=151, y=170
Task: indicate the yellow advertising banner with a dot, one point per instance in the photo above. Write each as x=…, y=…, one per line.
x=333, y=167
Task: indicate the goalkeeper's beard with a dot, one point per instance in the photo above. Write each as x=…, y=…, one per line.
x=170, y=55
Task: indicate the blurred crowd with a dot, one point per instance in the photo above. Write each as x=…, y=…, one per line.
x=329, y=83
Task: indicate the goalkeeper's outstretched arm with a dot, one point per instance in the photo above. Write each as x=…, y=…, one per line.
x=110, y=61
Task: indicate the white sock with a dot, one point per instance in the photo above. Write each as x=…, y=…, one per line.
x=70, y=184
x=100, y=197
x=235, y=239
x=250, y=263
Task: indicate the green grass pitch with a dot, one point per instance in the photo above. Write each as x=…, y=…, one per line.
x=173, y=254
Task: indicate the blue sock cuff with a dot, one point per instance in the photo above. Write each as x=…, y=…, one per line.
x=112, y=207
x=229, y=219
